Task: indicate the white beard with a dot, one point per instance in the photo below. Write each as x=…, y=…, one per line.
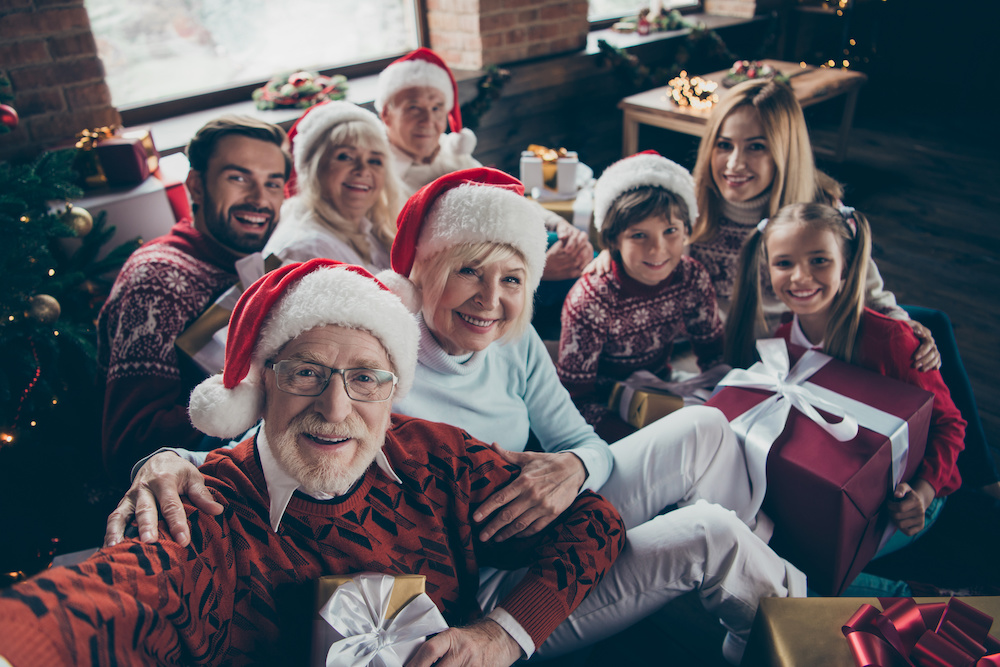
x=318, y=474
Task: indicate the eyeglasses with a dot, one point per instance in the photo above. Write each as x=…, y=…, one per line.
x=304, y=378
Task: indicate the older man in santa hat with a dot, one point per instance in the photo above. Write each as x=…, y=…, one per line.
x=417, y=99
x=331, y=484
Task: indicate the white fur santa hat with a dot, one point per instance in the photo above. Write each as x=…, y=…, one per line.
x=422, y=67
x=278, y=307
x=647, y=168
x=313, y=127
x=467, y=206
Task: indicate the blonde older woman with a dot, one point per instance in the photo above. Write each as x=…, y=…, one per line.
x=347, y=193
x=468, y=255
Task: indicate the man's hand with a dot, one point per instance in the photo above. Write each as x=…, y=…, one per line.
x=909, y=504
x=601, y=265
x=547, y=485
x=567, y=256
x=482, y=644
x=161, y=480
x=927, y=357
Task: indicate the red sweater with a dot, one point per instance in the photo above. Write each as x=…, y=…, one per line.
x=886, y=346
x=163, y=287
x=218, y=600
x=613, y=325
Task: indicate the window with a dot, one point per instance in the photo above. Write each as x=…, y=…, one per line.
x=155, y=50
x=602, y=10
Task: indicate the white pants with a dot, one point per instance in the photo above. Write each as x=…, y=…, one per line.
x=690, y=458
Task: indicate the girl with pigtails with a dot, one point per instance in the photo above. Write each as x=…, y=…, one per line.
x=815, y=257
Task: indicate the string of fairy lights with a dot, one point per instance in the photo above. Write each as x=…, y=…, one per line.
x=698, y=94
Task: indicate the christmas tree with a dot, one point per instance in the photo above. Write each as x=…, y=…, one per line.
x=50, y=399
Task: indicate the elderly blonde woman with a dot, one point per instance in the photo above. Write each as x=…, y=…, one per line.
x=469, y=253
x=347, y=195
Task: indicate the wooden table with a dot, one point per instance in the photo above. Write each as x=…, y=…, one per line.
x=812, y=85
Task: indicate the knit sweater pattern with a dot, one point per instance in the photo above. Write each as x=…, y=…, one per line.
x=163, y=287
x=216, y=601
x=613, y=325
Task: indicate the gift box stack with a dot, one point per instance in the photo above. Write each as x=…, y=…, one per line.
x=824, y=475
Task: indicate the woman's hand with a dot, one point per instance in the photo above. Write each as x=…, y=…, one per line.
x=567, y=256
x=909, y=505
x=601, y=265
x=482, y=644
x=547, y=485
x=927, y=357
x=161, y=480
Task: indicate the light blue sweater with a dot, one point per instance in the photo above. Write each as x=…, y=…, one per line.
x=498, y=394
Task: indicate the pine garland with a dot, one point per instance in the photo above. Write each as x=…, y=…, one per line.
x=489, y=89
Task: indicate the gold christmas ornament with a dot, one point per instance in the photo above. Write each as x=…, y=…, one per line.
x=44, y=309
x=78, y=219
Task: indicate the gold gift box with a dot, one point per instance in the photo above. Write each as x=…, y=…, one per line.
x=646, y=406
x=405, y=588
x=791, y=632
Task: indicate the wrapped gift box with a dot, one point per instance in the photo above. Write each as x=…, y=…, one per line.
x=826, y=497
x=204, y=340
x=790, y=632
x=393, y=609
x=643, y=407
x=128, y=158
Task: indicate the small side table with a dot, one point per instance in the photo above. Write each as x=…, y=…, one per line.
x=811, y=85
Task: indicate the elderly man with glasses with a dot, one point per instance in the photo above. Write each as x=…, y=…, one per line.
x=331, y=484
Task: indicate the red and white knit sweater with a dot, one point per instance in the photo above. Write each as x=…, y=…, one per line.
x=163, y=287
x=219, y=600
x=613, y=325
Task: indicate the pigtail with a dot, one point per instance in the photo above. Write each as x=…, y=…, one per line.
x=745, y=313
x=848, y=307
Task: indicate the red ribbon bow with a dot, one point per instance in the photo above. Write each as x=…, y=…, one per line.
x=901, y=635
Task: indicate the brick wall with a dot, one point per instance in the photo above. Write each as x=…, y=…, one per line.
x=470, y=34
x=48, y=52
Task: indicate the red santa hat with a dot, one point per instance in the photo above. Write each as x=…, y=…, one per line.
x=278, y=307
x=313, y=127
x=467, y=206
x=647, y=168
x=422, y=67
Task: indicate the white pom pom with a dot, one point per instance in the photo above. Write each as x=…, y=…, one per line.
x=225, y=413
x=402, y=287
x=459, y=143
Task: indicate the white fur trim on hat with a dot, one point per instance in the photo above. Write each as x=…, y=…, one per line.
x=402, y=287
x=226, y=413
x=474, y=213
x=411, y=74
x=327, y=296
x=636, y=171
x=459, y=143
x=316, y=125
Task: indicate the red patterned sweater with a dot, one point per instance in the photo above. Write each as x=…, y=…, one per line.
x=886, y=346
x=162, y=288
x=613, y=325
x=218, y=601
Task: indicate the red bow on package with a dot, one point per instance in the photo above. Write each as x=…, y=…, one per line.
x=903, y=635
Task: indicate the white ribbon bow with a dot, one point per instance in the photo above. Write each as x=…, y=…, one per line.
x=357, y=611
